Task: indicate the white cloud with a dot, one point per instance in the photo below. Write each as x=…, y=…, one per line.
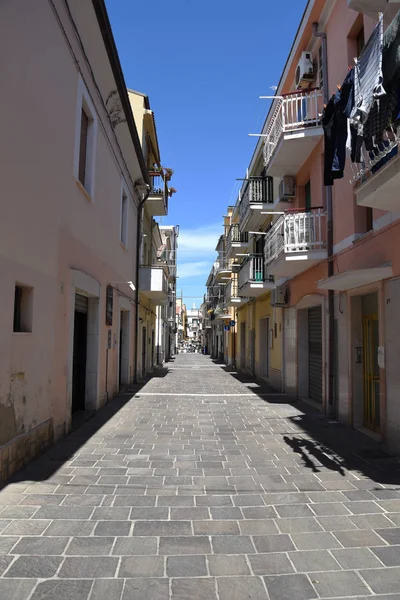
x=194, y=269
x=198, y=242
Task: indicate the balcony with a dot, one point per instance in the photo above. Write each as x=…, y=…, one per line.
x=232, y=297
x=293, y=132
x=257, y=196
x=153, y=283
x=371, y=7
x=253, y=278
x=295, y=243
x=221, y=269
x=376, y=181
x=236, y=241
x=157, y=202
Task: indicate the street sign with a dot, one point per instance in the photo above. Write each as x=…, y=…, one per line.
x=232, y=323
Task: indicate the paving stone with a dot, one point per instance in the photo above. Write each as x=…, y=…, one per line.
x=313, y=560
x=250, y=500
x=295, y=510
x=258, y=527
x=41, y=546
x=106, y=589
x=355, y=558
x=135, y=546
x=175, y=501
x=127, y=500
x=319, y=540
x=90, y=546
x=270, y=564
x=21, y=589
x=339, y=583
x=37, y=567
x=211, y=500
x=42, y=500
x=258, y=512
x=185, y=545
x=5, y=562
x=146, y=589
x=220, y=564
x=64, y=512
x=241, y=588
x=371, y=521
x=113, y=528
x=392, y=536
x=20, y=512
x=26, y=527
x=216, y=528
x=298, y=525
x=69, y=528
x=338, y=523
x=273, y=543
x=226, y=513
x=232, y=544
x=141, y=566
x=186, y=566
x=85, y=566
x=201, y=589
x=358, y=538
x=60, y=590
x=389, y=555
x=329, y=509
x=363, y=508
x=289, y=587
x=111, y=514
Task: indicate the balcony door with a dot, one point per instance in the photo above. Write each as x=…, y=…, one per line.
x=264, y=347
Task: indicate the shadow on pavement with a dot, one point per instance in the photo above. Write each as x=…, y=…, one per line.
x=86, y=424
x=325, y=444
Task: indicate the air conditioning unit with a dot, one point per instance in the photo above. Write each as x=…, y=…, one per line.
x=305, y=70
x=280, y=296
x=287, y=189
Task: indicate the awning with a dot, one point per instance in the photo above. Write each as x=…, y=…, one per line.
x=357, y=278
x=225, y=317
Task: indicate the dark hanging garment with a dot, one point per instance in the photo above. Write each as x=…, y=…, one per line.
x=391, y=52
x=334, y=122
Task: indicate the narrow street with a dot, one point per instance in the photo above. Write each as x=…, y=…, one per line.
x=206, y=487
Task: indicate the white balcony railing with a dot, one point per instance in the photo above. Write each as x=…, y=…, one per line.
x=292, y=112
x=232, y=289
x=236, y=236
x=253, y=270
x=295, y=232
x=259, y=190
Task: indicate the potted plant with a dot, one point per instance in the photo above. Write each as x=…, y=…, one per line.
x=155, y=170
x=168, y=173
x=171, y=191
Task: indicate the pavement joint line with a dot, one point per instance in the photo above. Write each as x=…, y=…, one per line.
x=235, y=395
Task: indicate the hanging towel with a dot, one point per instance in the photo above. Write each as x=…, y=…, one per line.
x=368, y=77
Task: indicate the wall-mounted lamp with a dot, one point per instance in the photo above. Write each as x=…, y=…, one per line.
x=130, y=283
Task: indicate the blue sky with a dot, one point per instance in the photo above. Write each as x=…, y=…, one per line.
x=203, y=65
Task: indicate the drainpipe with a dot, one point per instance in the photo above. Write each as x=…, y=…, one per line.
x=329, y=209
x=138, y=242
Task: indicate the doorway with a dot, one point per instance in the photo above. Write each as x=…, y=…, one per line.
x=144, y=348
x=371, y=378
x=79, y=353
x=123, y=367
x=264, y=348
x=315, y=354
x=242, y=346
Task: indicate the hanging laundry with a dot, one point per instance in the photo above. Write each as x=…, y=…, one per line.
x=368, y=77
x=391, y=52
x=335, y=125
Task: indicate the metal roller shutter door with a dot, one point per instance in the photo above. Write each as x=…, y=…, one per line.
x=315, y=353
x=81, y=304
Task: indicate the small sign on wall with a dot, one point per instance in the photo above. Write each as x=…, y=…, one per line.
x=381, y=357
x=109, y=305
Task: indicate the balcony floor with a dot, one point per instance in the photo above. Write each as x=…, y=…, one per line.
x=293, y=150
x=254, y=219
x=291, y=264
x=381, y=189
x=254, y=289
x=156, y=205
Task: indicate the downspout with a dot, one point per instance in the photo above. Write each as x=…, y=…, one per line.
x=329, y=209
x=138, y=243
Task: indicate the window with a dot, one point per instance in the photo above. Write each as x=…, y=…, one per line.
x=83, y=146
x=320, y=68
x=360, y=39
x=23, y=309
x=85, y=140
x=307, y=196
x=124, y=219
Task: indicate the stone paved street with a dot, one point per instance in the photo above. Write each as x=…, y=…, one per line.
x=206, y=487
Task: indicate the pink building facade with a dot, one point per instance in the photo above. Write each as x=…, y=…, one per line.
x=72, y=178
x=334, y=251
